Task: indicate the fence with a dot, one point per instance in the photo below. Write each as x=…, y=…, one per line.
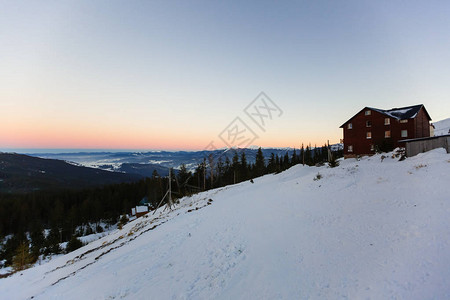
x=416, y=146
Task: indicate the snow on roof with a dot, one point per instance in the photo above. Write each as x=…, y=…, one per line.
x=398, y=113
x=401, y=113
x=141, y=209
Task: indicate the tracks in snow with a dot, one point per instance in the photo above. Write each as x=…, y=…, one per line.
x=92, y=256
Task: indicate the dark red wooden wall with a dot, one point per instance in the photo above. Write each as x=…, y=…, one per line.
x=357, y=136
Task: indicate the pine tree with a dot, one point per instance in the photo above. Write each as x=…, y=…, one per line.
x=200, y=175
x=228, y=176
x=294, y=158
x=316, y=155
x=37, y=241
x=286, y=162
x=73, y=244
x=220, y=171
x=183, y=177
x=259, y=163
x=123, y=220
x=271, y=167
x=52, y=241
x=22, y=258
x=243, y=168
x=9, y=249
x=277, y=164
x=302, y=155
x=235, y=167
x=211, y=165
x=308, y=156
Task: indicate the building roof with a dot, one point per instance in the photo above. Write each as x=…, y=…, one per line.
x=141, y=209
x=402, y=113
x=144, y=201
x=425, y=138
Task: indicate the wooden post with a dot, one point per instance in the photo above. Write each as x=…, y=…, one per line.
x=170, y=187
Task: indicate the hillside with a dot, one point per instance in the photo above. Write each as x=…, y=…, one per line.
x=442, y=127
x=23, y=173
x=376, y=228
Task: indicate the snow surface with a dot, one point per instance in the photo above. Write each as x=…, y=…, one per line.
x=442, y=127
x=376, y=228
x=5, y=270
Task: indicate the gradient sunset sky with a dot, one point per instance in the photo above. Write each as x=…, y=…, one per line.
x=173, y=74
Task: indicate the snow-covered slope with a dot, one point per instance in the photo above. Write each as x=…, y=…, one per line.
x=442, y=127
x=376, y=228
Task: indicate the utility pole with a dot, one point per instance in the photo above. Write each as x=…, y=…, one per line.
x=168, y=193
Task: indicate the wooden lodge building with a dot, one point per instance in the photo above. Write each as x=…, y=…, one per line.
x=373, y=129
x=141, y=209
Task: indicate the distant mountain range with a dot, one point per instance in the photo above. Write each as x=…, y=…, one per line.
x=22, y=173
x=144, y=163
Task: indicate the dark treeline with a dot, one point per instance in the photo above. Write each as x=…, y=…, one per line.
x=219, y=171
x=71, y=213
x=68, y=214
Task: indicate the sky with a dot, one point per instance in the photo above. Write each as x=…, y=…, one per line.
x=185, y=75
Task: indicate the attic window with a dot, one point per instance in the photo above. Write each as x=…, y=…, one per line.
x=404, y=121
x=349, y=126
x=350, y=148
x=387, y=121
x=368, y=123
x=368, y=135
x=367, y=112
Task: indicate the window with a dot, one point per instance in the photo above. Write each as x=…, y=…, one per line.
x=387, y=121
x=387, y=134
x=367, y=112
x=372, y=147
x=404, y=121
x=349, y=126
x=368, y=123
x=368, y=135
x=350, y=148
x=404, y=133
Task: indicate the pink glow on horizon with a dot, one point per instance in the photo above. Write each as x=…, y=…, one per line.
x=121, y=140
x=63, y=135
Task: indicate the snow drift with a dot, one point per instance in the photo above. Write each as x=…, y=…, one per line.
x=376, y=228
